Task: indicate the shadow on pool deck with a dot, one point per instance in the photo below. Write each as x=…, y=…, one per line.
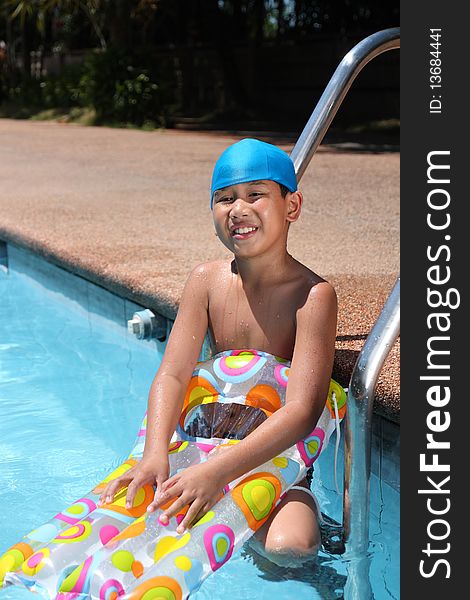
x=129, y=210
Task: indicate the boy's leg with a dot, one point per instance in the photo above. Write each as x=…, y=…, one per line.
x=292, y=531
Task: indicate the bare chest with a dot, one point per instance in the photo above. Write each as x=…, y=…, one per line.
x=266, y=320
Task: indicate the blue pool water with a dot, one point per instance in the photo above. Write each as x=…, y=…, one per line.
x=73, y=388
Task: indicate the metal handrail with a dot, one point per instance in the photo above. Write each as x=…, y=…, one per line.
x=359, y=420
x=337, y=88
x=379, y=342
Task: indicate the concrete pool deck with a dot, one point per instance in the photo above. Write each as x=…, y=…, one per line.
x=129, y=210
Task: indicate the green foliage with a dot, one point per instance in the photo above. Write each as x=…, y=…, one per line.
x=107, y=83
x=161, y=60
x=117, y=90
x=62, y=91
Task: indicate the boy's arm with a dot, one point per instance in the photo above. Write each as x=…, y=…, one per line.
x=184, y=344
x=307, y=390
x=168, y=388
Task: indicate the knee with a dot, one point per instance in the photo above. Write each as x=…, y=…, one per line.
x=287, y=550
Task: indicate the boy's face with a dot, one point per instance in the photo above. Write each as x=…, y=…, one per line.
x=250, y=218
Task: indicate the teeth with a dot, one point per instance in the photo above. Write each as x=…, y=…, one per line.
x=244, y=229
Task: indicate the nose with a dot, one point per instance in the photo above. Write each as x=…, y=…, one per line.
x=239, y=208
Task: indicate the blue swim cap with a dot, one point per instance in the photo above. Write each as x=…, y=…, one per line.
x=252, y=160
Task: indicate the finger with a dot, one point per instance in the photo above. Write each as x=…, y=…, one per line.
x=107, y=493
x=163, y=497
x=177, y=506
x=152, y=507
x=192, y=516
x=104, y=492
x=111, y=489
x=157, y=496
x=168, y=483
x=161, y=479
x=165, y=492
x=133, y=488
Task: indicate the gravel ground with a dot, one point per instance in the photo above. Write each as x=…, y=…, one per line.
x=130, y=210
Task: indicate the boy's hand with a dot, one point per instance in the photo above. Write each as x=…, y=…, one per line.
x=153, y=470
x=200, y=486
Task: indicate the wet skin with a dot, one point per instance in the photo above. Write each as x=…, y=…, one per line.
x=263, y=298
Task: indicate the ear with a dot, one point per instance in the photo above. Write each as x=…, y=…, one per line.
x=294, y=205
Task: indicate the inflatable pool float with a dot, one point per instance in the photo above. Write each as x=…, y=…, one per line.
x=107, y=552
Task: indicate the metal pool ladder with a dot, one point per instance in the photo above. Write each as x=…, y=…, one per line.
x=384, y=333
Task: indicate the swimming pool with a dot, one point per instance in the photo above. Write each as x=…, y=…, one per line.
x=73, y=387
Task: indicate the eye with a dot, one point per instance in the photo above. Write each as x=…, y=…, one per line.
x=224, y=199
x=255, y=194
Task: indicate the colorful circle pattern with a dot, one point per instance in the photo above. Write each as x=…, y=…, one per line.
x=200, y=391
x=135, y=529
x=177, y=447
x=13, y=558
x=289, y=468
x=219, y=541
x=76, y=533
x=108, y=533
x=169, y=544
x=157, y=588
x=126, y=562
x=142, y=499
x=238, y=365
x=256, y=496
x=111, y=589
x=310, y=447
x=78, y=581
x=265, y=398
x=341, y=399
x=78, y=511
x=36, y=562
x=281, y=373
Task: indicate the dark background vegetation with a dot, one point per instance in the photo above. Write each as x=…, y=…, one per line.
x=245, y=64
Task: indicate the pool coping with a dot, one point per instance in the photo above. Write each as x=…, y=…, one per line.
x=128, y=211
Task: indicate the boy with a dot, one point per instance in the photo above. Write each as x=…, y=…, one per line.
x=263, y=299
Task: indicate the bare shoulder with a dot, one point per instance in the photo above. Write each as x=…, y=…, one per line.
x=210, y=269
x=316, y=288
x=316, y=321
x=207, y=274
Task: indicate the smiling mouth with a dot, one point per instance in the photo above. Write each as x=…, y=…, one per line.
x=240, y=233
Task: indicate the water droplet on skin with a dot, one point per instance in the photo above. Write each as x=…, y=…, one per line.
x=194, y=337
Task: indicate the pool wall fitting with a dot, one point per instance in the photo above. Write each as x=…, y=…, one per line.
x=146, y=324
